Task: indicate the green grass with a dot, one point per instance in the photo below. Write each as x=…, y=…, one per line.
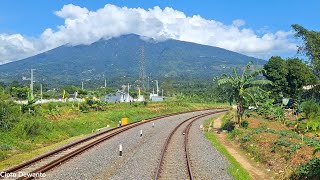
x=234, y=168
x=33, y=133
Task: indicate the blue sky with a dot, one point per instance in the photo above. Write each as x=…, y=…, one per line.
x=31, y=18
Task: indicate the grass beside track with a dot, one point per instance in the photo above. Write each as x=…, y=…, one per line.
x=34, y=135
x=235, y=169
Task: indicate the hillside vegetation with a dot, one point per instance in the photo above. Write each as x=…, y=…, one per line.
x=117, y=60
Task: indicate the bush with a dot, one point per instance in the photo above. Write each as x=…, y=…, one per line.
x=310, y=170
x=229, y=125
x=278, y=113
x=84, y=107
x=92, y=104
x=8, y=115
x=310, y=108
x=32, y=127
x=244, y=124
x=314, y=124
x=3, y=155
x=265, y=109
x=272, y=111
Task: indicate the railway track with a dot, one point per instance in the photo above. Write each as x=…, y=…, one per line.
x=54, y=158
x=174, y=159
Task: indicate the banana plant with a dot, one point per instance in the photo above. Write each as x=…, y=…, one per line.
x=240, y=86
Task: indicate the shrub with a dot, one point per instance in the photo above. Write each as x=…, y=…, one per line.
x=310, y=170
x=278, y=113
x=8, y=115
x=272, y=111
x=266, y=108
x=32, y=127
x=229, y=125
x=3, y=155
x=244, y=124
x=234, y=133
x=314, y=124
x=84, y=107
x=92, y=104
x=310, y=108
x=5, y=147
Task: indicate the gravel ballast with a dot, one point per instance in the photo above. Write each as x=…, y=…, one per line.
x=206, y=161
x=140, y=154
x=174, y=164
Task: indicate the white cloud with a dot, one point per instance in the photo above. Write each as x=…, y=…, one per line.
x=14, y=47
x=82, y=26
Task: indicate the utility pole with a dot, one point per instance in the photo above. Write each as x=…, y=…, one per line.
x=82, y=85
x=105, y=83
x=148, y=85
x=31, y=81
x=157, y=87
x=162, y=93
x=41, y=91
x=142, y=74
x=149, y=78
x=128, y=97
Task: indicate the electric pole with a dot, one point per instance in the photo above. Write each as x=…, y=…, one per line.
x=41, y=91
x=157, y=87
x=142, y=75
x=31, y=82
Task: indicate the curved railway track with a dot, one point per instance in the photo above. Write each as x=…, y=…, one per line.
x=165, y=163
x=54, y=158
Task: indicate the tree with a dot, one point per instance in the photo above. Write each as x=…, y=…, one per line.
x=167, y=87
x=311, y=45
x=276, y=70
x=240, y=86
x=288, y=76
x=19, y=92
x=299, y=75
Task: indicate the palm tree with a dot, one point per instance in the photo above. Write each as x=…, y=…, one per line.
x=242, y=87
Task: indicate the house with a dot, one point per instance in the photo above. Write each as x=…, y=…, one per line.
x=157, y=98
x=119, y=96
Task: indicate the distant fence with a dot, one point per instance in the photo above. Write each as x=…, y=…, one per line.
x=42, y=101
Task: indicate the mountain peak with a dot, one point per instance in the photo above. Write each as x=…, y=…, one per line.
x=119, y=57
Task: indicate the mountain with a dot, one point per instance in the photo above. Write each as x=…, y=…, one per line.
x=118, y=58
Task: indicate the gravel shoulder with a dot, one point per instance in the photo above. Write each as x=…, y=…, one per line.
x=206, y=161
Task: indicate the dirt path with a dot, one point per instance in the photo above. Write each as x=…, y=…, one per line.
x=254, y=171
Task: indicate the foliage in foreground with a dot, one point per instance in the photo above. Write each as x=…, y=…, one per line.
x=310, y=170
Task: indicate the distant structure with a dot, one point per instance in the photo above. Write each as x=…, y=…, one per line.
x=31, y=79
x=140, y=97
x=118, y=97
x=142, y=74
x=155, y=96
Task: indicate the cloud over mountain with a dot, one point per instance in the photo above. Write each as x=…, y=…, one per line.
x=82, y=26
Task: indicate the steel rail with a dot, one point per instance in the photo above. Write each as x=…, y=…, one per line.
x=186, y=131
x=58, y=161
